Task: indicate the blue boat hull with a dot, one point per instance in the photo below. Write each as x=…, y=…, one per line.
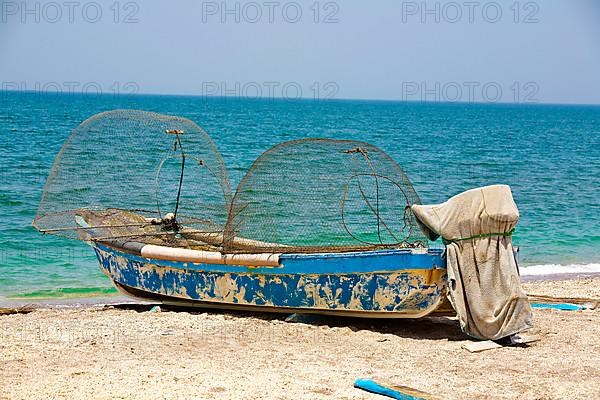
x=386, y=283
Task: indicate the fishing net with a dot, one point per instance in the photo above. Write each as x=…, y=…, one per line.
x=324, y=195
x=157, y=179
x=119, y=172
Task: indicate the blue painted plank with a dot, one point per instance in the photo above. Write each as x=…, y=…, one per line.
x=559, y=306
x=395, y=392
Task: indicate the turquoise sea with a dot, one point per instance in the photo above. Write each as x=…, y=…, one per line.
x=548, y=154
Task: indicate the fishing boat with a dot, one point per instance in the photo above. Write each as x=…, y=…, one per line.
x=394, y=283
x=314, y=226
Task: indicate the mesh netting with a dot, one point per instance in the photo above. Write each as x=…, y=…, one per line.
x=119, y=170
x=156, y=179
x=324, y=195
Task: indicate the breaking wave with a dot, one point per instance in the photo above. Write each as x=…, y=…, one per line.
x=560, y=269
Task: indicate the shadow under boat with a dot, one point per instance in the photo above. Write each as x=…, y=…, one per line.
x=441, y=325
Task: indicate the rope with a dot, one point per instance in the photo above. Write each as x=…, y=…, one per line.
x=180, y=178
x=364, y=153
x=406, y=222
x=482, y=235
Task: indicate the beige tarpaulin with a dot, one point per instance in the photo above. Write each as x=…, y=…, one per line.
x=485, y=288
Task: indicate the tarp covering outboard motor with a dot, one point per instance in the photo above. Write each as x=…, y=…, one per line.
x=484, y=284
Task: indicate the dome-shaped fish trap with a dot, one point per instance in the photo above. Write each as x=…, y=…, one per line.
x=133, y=176
x=317, y=195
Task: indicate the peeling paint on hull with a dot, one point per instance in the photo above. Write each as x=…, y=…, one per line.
x=396, y=284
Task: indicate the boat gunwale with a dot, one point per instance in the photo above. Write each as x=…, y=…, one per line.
x=282, y=269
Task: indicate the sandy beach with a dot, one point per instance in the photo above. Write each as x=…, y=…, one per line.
x=124, y=352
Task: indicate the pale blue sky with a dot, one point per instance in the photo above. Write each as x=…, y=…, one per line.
x=374, y=51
